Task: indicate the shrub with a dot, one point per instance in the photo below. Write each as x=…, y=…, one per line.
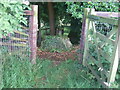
x=11, y=16
x=56, y=43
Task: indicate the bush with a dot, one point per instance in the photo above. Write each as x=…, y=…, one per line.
x=76, y=10
x=11, y=16
x=56, y=43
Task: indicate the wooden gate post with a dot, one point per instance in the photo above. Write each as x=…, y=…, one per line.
x=83, y=34
x=119, y=37
x=33, y=27
x=1, y=70
x=115, y=58
x=114, y=63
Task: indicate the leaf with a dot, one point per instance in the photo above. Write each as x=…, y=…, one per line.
x=11, y=15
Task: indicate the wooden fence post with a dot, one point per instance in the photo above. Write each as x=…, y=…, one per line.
x=119, y=48
x=119, y=37
x=114, y=63
x=115, y=58
x=1, y=70
x=83, y=34
x=33, y=27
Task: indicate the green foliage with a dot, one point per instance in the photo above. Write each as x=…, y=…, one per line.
x=64, y=11
x=117, y=82
x=11, y=16
x=103, y=57
x=76, y=8
x=55, y=43
x=72, y=12
x=69, y=74
x=75, y=30
x=59, y=13
x=14, y=73
x=44, y=14
x=61, y=17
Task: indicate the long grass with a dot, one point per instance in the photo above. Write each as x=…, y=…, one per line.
x=22, y=74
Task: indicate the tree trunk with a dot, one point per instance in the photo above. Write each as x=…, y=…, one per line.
x=39, y=25
x=51, y=18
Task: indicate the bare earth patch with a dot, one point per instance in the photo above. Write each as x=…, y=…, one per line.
x=57, y=57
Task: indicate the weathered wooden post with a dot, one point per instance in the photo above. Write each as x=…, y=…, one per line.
x=83, y=34
x=115, y=58
x=33, y=27
x=119, y=37
x=114, y=63
x=1, y=70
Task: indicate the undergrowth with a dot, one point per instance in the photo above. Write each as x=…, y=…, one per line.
x=68, y=74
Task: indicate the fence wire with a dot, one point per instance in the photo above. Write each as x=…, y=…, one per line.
x=16, y=44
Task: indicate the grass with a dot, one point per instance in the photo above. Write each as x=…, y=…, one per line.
x=68, y=74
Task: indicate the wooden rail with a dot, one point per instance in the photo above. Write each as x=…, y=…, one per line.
x=22, y=33
x=13, y=44
x=28, y=12
x=26, y=38
x=108, y=14
x=106, y=76
x=103, y=19
x=18, y=39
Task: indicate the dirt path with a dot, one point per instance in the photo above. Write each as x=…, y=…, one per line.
x=56, y=56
